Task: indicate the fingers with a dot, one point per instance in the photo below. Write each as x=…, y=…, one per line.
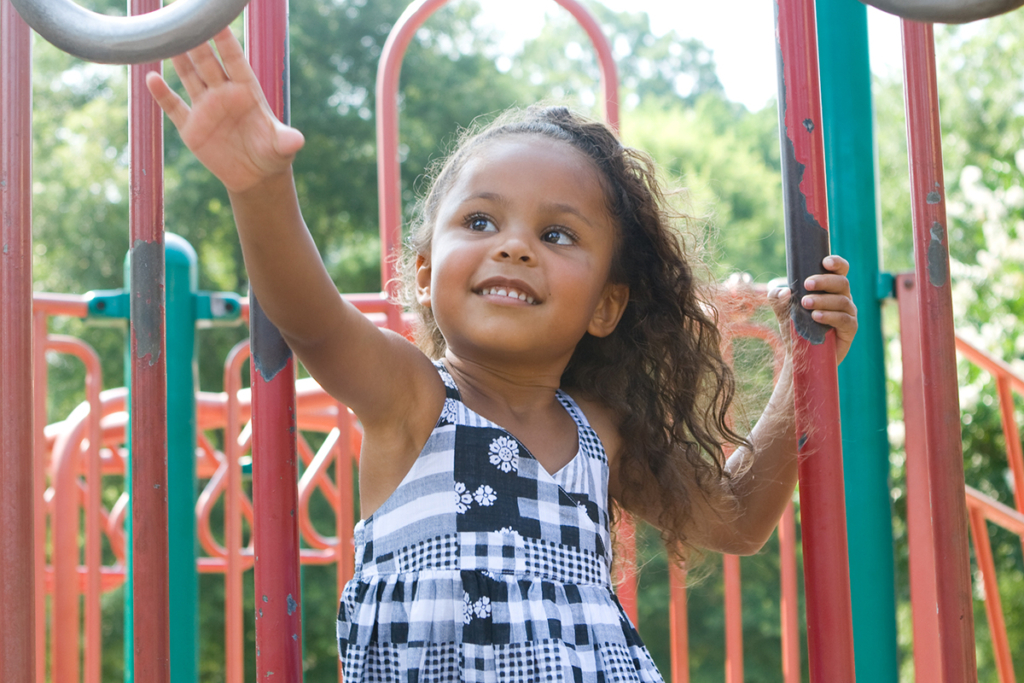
x=836, y=264
x=233, y=57
x=199, y=68
x=834, y=281
x=194, y=85
x=822, y=306
x=175, y=108
x=830, y=284
x=207, y=65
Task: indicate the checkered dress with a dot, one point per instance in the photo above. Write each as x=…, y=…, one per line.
x=481, y=566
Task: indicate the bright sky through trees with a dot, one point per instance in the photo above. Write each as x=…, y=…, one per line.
x=740, y=32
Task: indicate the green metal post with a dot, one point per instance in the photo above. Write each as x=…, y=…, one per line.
x=186, y=309
x=848, y=127
x=182, y=282
x=181, y=273
x=129, y=582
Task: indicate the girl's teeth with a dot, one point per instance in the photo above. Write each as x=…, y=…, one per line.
x=497, y=291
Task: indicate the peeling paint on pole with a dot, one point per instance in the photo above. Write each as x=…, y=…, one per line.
x=147, y=308
x=806, y=239
x=270, y=353
x=938, y=256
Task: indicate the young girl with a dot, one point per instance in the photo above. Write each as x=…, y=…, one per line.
x=569, y=360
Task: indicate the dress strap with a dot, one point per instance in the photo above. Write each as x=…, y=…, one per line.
x=450, y=388
x=590, y=442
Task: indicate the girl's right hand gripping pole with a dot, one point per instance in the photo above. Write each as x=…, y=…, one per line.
x=816, y=390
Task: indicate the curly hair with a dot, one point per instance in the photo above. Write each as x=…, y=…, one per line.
x=661, y=371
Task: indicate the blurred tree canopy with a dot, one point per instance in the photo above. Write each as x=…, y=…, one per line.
x=723, y=158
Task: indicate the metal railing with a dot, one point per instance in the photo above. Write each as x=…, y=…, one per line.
x=74, y=462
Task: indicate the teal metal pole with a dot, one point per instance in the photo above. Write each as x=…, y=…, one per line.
x=848, y=127
x=182, y=280
x=186, y=310
x=129, y=574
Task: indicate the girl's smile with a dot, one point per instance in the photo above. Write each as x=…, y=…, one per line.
x=507, y=292
x=521, y=253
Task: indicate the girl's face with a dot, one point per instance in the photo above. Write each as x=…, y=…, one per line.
x=521, y=252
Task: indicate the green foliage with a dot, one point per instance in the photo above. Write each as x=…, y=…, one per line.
x=561, y=63
x=727, y=159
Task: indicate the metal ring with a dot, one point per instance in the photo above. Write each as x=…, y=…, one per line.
x=151, y=37
x=945, y=11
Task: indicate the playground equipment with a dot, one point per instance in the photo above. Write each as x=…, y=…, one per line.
x=150, y=37
x=945, y=11
x=275, y=410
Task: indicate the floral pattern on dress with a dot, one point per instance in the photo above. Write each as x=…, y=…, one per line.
x=463, y=498
x=505, y=454
x=446, y=378
x=480, y=608
x=448, y=412
x=485, y=495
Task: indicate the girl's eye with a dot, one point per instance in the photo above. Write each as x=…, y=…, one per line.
x=481, y=224
x=559, y=236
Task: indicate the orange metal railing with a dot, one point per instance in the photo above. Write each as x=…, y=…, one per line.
x=76, y=461
x=925, y=566
x=982, y=508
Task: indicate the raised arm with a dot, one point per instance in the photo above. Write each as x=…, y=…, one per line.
x=232, y=131
x=764, y=476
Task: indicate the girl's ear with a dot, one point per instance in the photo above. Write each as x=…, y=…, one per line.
x=609, y=309
x=423, y=280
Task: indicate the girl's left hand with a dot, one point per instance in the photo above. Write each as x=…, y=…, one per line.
x=831, y=303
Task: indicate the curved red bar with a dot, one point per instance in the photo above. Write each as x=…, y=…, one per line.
x=389, y=183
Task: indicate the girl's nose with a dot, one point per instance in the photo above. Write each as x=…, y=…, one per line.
x=515, y=248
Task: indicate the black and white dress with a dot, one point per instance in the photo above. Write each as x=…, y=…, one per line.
x=482, y=566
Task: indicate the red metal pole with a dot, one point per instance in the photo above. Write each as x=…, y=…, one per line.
x=39, y=320
x=234, y=620
x=17, y=571
x=733, y=619
x=679, y=633
x=788, y=606
x=344, y=510
x=275, y=460
x=919, y=532
x=822, y=498
x=941, y=408
x=150, y=578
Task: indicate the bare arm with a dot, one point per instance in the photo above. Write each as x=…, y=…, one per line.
x=764, y=476
x=231, y=130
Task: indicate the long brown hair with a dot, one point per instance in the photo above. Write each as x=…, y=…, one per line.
x=661, y=371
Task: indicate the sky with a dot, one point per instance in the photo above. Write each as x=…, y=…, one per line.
x=741, y=34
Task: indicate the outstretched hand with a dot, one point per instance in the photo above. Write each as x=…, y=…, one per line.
x=229, y=127
x=829, y=301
